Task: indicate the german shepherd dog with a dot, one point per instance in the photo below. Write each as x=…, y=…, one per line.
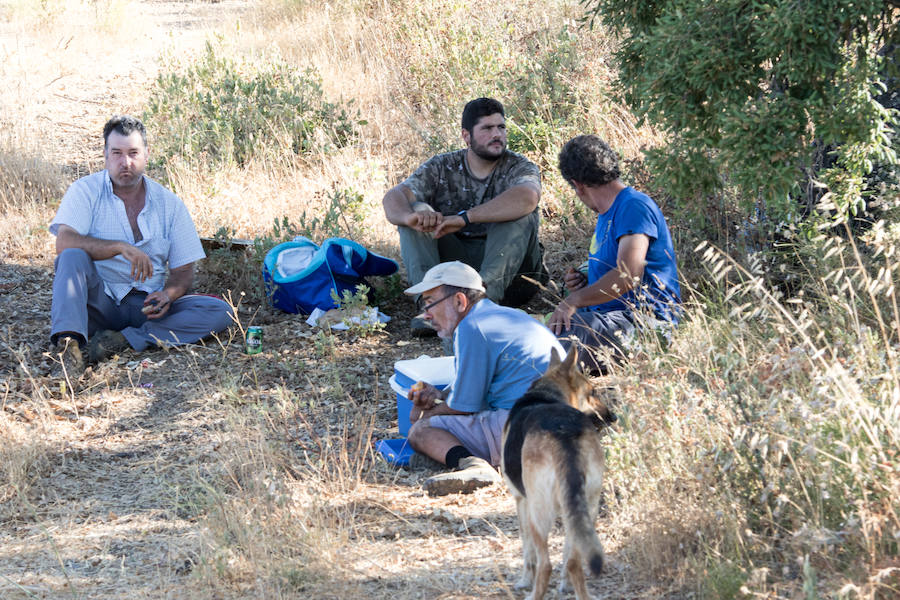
x=553, y=464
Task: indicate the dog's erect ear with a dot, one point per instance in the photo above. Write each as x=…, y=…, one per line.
x=555, y=359
x=569, y=364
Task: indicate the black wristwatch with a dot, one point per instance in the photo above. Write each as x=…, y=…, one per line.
x=464, y=216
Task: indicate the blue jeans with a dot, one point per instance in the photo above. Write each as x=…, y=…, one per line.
x=592, y=330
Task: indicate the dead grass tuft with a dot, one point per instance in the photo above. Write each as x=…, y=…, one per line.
x=30, y=189
x=24, y=462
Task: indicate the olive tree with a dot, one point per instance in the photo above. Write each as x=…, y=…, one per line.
x=778, y=98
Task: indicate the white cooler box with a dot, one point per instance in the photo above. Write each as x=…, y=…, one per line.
x=439, y=372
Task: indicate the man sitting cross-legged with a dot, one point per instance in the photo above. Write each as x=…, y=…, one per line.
x=126, y=248
x=477, y=205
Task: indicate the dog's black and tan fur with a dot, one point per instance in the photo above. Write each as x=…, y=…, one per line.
x=553, y=464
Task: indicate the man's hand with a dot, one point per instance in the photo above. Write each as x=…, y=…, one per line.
x=423, y=221
x=156, y=304
x=97, y=249
x=141, y=267
x=561, y=319
x=180, y=280
x=574, y=280
x=450, y=224
x=424, y=397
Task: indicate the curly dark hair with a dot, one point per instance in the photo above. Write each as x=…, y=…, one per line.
x=124, y=125
x=477, y=108
x=588, y=160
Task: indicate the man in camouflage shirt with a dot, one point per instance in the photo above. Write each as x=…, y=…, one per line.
x=478, y=205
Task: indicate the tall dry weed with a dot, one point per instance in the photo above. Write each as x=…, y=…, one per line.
x=280, y=504
x=24, y=459
x=26, y=449
x=30, y=189
x=763, y=443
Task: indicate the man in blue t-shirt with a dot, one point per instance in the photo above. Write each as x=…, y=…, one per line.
x=500, y=352
x=632, y=278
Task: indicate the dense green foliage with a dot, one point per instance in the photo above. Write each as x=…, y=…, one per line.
x=776, y=98
x=217, y=111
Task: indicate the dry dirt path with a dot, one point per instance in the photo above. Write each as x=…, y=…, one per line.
x=62, y=79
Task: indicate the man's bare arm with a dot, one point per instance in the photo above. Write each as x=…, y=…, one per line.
x=179, y=283
x=97, y=249
x=398, y=208
x=631, y=260
x=514, y=203
x=441, y=408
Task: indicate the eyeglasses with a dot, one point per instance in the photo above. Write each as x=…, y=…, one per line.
x=428, y=307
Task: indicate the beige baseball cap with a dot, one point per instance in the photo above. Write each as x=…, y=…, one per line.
x=454, y=273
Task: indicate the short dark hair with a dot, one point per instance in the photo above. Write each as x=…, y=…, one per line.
x=588, y=160
x=124, y=125
x=471, y=295
x=477, y=108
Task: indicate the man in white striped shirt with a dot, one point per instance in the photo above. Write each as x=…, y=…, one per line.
x=126, y=248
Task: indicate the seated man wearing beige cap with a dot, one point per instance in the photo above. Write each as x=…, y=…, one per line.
x=500, y=352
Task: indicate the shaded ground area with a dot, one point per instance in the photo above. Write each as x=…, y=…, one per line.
x=117, y=507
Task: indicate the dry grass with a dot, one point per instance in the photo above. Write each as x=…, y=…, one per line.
x=756, y=456
x=769, y=432
x=30, y=189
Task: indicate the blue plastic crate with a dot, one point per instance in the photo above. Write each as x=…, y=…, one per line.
x=397, y=452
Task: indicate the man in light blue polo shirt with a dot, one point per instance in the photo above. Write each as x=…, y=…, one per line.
x=500, y=352
x=126, y=248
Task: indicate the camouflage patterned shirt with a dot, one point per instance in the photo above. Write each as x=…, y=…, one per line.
x=445, y=183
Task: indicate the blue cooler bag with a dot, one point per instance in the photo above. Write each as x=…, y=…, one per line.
x=299, y=276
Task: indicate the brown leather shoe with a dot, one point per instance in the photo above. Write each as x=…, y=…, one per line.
x=68, y=354
x=104, y=344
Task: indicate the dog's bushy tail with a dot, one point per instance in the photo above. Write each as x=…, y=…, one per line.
x=579, y=522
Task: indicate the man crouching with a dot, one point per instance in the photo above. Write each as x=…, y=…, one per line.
x=500, y=351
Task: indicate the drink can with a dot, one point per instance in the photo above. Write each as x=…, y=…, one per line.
x=254, y=340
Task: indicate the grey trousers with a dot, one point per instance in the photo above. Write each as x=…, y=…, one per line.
x=509, y=249
x=81, y=306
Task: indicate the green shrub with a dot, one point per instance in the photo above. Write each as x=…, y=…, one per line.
x=537, y=66
x=543, y=102
x=775, y=99
x=216, y=111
